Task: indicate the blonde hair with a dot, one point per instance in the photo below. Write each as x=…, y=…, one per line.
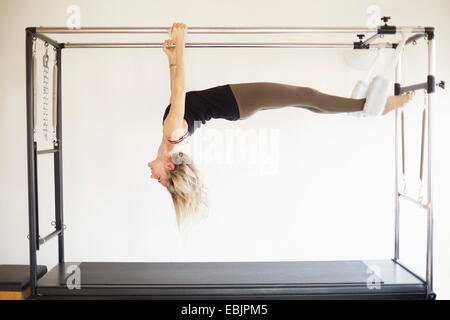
x=187, y=191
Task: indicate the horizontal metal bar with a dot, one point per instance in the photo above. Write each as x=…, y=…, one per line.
x=214, y=45
x=47, y=151
x=224, y=30
x=371, y=39
x=49, y=236
x=415, y=201
x=414, y=87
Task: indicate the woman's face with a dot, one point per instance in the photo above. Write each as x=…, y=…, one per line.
x=160, y=170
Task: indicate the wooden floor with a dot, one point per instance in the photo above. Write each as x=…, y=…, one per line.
x=14, y=295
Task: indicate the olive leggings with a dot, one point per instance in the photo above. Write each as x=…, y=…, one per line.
x=255, y=96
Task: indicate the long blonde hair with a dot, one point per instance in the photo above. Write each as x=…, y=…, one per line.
x=187, y=191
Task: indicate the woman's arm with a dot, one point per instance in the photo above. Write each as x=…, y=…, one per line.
x=172, y=75
x=171, y=55
x=175, y=126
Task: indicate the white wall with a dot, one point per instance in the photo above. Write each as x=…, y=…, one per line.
x=332, y=193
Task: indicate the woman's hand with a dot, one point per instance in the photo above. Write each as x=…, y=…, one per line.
x=170, y=51
x=178, y=32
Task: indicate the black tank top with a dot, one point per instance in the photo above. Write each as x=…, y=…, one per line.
x=201, y=106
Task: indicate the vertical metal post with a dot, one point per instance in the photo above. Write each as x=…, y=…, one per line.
x=31, y=160
x=398, y=79
x=432, y=73
x=57, y=160
x=36, y=197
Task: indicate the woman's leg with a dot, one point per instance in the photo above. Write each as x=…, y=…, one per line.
x=255, y=96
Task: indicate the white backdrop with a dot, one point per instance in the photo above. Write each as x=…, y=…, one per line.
x=307, y=186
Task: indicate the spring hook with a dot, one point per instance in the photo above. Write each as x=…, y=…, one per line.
x=45, y=57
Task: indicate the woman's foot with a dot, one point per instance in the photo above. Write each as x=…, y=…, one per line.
x=394, y=102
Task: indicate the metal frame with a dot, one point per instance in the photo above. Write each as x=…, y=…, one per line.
x=429, y=86
x=232, y=30
x=41, y=33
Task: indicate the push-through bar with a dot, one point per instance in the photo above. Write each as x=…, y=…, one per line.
x=47, y=151
x=424, y=85
x=415, y=201
x=216, y=45
x=49, y=236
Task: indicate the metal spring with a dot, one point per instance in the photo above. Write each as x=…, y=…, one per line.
x=422, y=145
x=45, y=90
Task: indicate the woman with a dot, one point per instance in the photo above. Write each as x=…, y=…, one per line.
x=174, y=170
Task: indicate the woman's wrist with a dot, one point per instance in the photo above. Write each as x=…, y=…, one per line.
x=180, y=41
x=180, y=44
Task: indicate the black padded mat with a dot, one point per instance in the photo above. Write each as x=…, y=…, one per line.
x=224, y=273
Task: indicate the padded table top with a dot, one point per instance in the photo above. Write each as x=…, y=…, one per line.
x=223, y=273
x=234, y=280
